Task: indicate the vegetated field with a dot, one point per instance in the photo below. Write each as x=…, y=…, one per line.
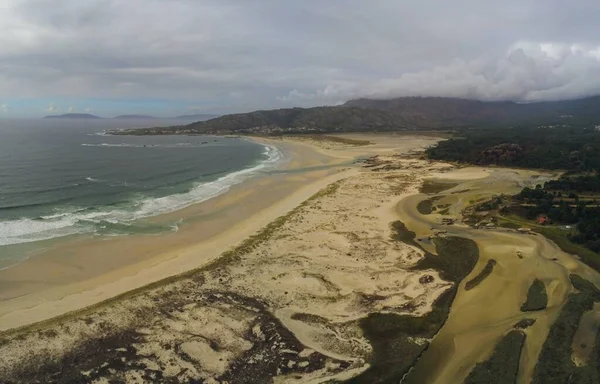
x=485, y=272
x=555, y=365
x=537, y=298
x=433, y=187
x=503, y=365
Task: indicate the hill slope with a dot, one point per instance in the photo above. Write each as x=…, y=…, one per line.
x=446, y=111
x=408, y=113
x=292, y=120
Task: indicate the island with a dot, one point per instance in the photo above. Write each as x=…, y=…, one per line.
x=73, y=116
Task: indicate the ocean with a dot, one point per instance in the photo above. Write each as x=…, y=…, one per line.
x=60, y=178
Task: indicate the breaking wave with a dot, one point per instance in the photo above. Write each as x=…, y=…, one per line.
x=123, y=218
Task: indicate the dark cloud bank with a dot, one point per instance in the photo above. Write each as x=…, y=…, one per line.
x=240, y=55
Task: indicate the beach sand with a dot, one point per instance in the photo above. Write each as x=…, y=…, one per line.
x=272, y=281
x=325, y=261
x=79, y=273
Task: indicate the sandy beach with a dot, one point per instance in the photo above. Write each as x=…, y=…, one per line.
x=313, y=242
x=324, y=271
x=76, y=274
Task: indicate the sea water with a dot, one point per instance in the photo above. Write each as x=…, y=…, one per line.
x=60, y=178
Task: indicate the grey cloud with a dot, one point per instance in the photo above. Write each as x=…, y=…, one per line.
x=236, y=54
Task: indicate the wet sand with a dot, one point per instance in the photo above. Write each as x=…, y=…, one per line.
x=480, y=317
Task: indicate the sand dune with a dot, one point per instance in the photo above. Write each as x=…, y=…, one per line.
x=286, y=304
x=305, y=280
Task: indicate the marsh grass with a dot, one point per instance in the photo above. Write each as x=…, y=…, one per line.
x=337, y=139
x=435, y=187
x=485, y=272
x=537, y=297
x=503, y=365
x=555, y=365
x=425, y=207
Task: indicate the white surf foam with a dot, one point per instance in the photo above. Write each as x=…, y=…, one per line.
x=78, y=221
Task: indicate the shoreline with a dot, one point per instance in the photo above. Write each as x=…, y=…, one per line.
x=198, y=192
x=289, y=300
x=75, y=275
x=329, y=290
x=72, y=275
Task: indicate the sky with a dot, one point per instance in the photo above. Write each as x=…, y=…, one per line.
x=171, y=57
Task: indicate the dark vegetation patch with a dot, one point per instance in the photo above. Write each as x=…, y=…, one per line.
x=404, y=235
x=309, y=318
x=338, y=139
x=111, y=354
x=585, y=286
x=503, y=365
x=96, y=355
x=537, y=298
x=485, y=272
x=271, y=360
x=565, y=207
x=392, y=336
x=525, y=146
x=555, y=365
x=525, y=323
x=433, y=187
x=457, y=256
x=425, y=207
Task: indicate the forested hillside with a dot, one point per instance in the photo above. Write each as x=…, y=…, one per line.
x=408, y=113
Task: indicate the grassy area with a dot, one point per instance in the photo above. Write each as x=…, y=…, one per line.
x=558, y=235
x=394, y=337
x=425, y=207
x=337, y=139
x=404, y=235
x=584, y=286
x=434, y=187
x=485, y=272
x=525, y=323
x=537, y=298
x=555, y=365
x=393, y=340
x=503, y=365
x=456, y=258
x=507, y=224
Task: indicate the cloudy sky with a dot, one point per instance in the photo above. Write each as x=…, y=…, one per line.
x=166, y=57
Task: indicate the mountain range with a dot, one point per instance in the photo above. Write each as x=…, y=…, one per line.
x=399, y=114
